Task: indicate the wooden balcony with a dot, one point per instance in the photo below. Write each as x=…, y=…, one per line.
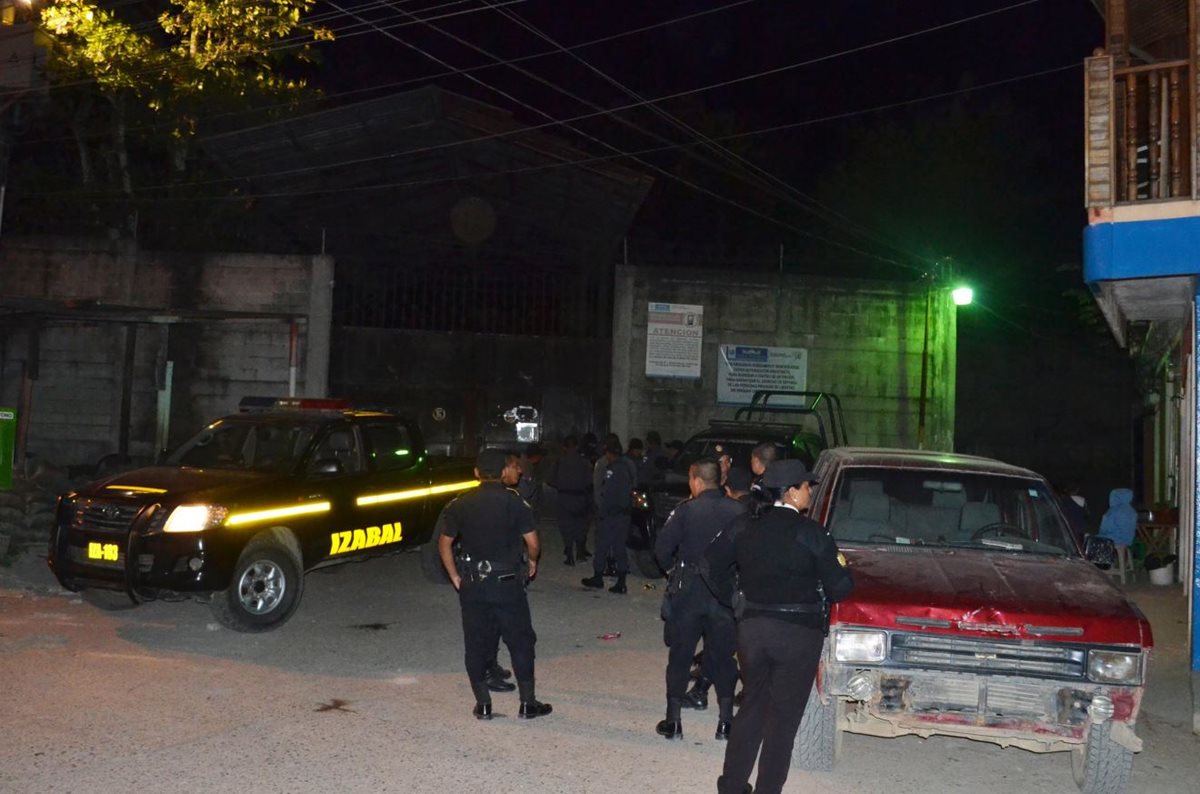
x=1141, y=128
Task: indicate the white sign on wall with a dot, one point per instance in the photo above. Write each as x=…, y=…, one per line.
x=674, y=340
x=745, y=369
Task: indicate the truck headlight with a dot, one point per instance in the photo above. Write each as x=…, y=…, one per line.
x=1114, y=667
x=194, y=518
x=852, y=645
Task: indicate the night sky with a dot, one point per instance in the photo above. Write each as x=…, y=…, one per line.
x=991, y=177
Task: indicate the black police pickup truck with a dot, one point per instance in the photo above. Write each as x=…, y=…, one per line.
x=245, y=507
x=800, y=423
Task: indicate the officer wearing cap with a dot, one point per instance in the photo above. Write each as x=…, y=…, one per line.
x=784, y=560
x=495, y=527
x=696, y=596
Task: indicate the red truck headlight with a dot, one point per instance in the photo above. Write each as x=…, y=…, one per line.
x=1115, y=667
x=859, y=646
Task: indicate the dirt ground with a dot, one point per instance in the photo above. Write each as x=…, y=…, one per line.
x=363, y=691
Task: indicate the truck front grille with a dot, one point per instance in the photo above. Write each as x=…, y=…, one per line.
x=988, y=656
x=105, y=517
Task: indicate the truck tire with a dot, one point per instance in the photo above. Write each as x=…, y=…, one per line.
x=1101, y=766
x=646, y=564
x=819, y=738
x=265, y=588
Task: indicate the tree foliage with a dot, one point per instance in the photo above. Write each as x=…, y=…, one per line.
x=167, y=72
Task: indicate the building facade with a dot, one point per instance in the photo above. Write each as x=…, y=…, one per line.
x=1142, y=251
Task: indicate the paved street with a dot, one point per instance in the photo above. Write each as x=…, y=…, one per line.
x=363, y=691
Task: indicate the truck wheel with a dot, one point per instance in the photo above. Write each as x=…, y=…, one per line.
x=1101, y=766
x=265, y=589
x=819, y=738
x=646, y=564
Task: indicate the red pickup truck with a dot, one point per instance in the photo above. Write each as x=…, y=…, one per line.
x=975, y=613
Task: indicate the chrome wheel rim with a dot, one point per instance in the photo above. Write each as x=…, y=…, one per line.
x=261, y=588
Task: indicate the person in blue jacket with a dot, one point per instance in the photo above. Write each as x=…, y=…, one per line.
x=1120, y=520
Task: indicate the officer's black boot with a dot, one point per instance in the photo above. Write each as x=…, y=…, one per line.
x=483, y=702
x=494, y=678
x=672, y=726
x=581, y=552
x=530, y=706
x=619, y=588
x=697, y=697
x=596, y=581
x=722, y=787
x=725, y=718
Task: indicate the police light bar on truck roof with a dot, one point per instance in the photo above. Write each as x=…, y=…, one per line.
x=248, y=404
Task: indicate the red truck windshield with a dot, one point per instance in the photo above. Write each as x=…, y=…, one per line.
x=909, y=506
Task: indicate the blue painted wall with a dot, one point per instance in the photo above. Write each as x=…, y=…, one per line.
x=1141, y=249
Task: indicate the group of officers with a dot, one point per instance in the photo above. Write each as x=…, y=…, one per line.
x=750, y=574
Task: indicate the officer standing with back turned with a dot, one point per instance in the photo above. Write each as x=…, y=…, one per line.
x=698, y=599
x=495, y=526
x=784, y=561
x=615, y=503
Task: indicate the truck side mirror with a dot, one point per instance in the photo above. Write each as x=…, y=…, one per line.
x=325, y=467
x=1101, y=551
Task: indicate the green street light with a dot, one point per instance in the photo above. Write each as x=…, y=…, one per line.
x=963, y=296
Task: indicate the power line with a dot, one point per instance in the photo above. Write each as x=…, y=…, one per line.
x=590, y=160
x=283, y=44
x=427, y=78
x=618, y=109
x=662, y=171
x=765, y=178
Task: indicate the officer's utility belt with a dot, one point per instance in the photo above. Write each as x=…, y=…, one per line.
x=813, y=608
x=741, y=605
x=478, y=570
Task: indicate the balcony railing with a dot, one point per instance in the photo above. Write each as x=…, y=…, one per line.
x=1140, y=132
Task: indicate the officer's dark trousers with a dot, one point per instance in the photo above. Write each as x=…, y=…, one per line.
x=493, y=610
x=778, y=664
x=572, y=515
x=695, y=614
x=612, y=531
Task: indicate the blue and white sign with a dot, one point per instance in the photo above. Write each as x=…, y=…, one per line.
x=674, y=340
x=745, y=369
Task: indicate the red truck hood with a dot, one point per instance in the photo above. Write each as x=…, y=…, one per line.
x=977, y=593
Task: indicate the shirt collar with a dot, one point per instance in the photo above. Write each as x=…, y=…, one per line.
x=781, y=503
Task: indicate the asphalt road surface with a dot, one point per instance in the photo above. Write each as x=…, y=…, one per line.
x=364, y=691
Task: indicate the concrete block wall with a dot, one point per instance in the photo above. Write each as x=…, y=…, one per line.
x=864, y=342
x=223, y=319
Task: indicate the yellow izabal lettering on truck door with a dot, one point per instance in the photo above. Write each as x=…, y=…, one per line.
x=359, y=539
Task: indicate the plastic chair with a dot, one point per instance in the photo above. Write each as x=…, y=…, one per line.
x=1123, y=562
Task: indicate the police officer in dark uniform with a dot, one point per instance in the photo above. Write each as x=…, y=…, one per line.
x=496, y=676
x=737, y=488
x=495, y=527
x=695, y=598
x=571, y=477
x=615, y=504
x=761, y=458
x=782, y=558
